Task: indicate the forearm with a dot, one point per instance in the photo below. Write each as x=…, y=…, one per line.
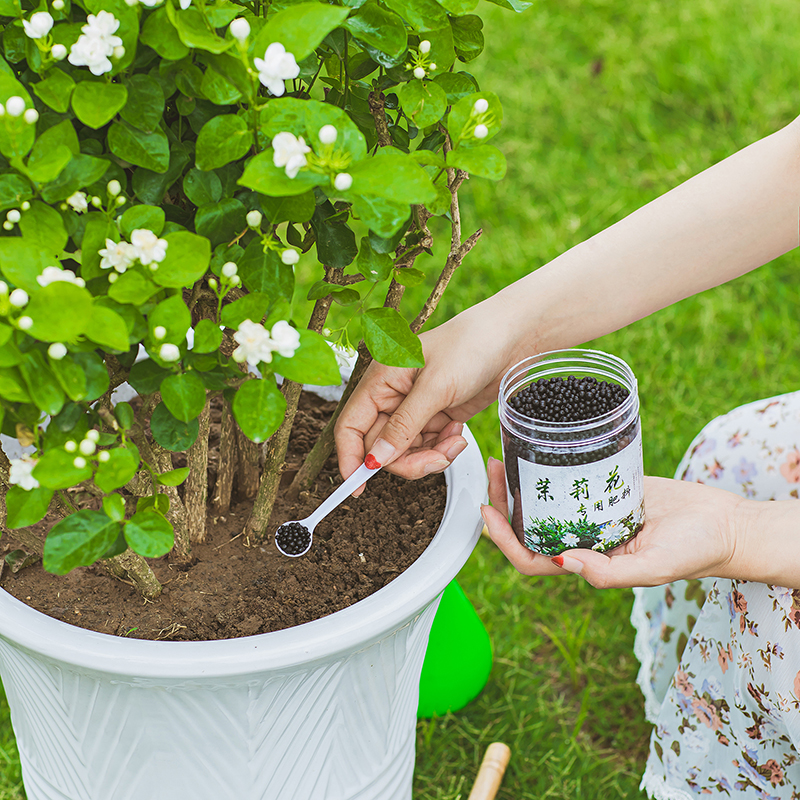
x=724, y=222
x=767, y=543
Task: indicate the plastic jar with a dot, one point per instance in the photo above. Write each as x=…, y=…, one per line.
x=573, y=484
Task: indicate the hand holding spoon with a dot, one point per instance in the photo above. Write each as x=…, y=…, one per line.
x=294, y=538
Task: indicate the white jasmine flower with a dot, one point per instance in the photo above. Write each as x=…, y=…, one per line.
x=59, y=52
x=290, y=152
x=185, y=4
x=424, y=46
x=570, y=539
x=38, y=26
x=13, y=216
x=114, y=188
x=103, y=455
x=327, y=134
x=276, y=67
x=20, y=473
x=93, y=435
x=481, y=131
x=285, y=338
x=343, y=181
x=290, y=257
x=87, y=447
x=96, y=44
x=169, y=352
x=149, y=248
x=52, y=274
x=18, y=298
x=25, y=323
x=103, y=24
x=79, y=462
x=70, y=446
x=254, y=218
x=159, y=332
x=77, y=202
x=15, y=106
x=229, y=269
x=419, y=73
x=31, y=116
x=254, y=343
x=240, y=29
x=117, y=255
x=481, y=105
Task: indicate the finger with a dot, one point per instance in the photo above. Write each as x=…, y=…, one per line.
x=498, y=496
x=502, y=534
x=605, y=571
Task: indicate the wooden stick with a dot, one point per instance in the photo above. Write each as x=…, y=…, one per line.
x=490, y=774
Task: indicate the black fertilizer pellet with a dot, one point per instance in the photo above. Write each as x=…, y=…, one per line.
x=568, y=399
x=292, y=538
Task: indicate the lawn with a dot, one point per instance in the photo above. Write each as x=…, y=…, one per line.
x=607, y=105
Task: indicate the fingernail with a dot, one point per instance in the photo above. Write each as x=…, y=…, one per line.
x=483, y=513
x=382, y=452
x=569, y=564
x=455, y=450
x=436, y=466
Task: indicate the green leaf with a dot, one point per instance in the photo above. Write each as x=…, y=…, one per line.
x=107, y=328
x=467, y=36
x=258, y=408
x=423, y=101
x=462, y=118
x=390, y=340
x=142, y=216
x=149, y=534
x=15, y=189
x=69, y=374
x=16, y=139
x=60, y=312
x=44, y=388
x=207, y=337
x=188, y=257
x=149, y=150
x=222, y=139
x=174, y=477
x=343, y=295
x=372, y=265
x=217, y=221
x=117, y=471
x=202, y=187
x=252, y=306
x=155, y=502
x=173, y=315
x=21, y=261
x=336, y=242
x=513, y=5
x=43, y=227
x=409, y=276
x=262, y=175
x=299, y=208
x=96, y=375
x=458, y=7
x=56, y=469
x=150, y=187
x=314, y=362
x=124, y=414
x=97, y=229
x=26, y=508
x=266, y=273
x=55, y=90
x=394, y=176
x=133, y=287
x=299, y=28
x=219, y=90
x=184, y=395
x=171, y=433
x=456, y=85
x=96, y=104
x=483, y=161
x=145, y=106
x=160, y=34
x=349, y=138
x=12, y=386
x=78, y=540
x=422, y=15
x=46, y=164
x=194, y=32
x=381, y=29
x=82, y=171
x=114, y=506
x=146, y=376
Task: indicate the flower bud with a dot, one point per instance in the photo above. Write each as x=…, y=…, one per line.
x=103, y=455
x=57, y=351
x=71, y=446
x=87, y=447
x=31, y=116
x=159, y=332
x=93, y=435
x=343, y=181
x=3, y=287
x=13, y=216
x=236, y=281
x=432, y=66
x=169, y=352
x=254, y=218
x=25, y=323
x=114, y=188
x=121, y=201
x=18, y=298
x=8, y=226
x=229, y=269
x=290, y=257
x=25, y=205
x=79, y=462
x=212, y=282
x=113, y=277
x=96, y=201
x=2, y=110
x=15, y=106
x=327, y=134
x=58, y=5
x=481, y=131
x=153, y=267
x=419, y=73
x=481, y=105
x=240, y=29
x=119, y=52
x=58, y=51
x=424, y=46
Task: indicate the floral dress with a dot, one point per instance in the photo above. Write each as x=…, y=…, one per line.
x=720, y=659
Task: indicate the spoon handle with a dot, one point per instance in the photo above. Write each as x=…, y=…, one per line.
x=358, y=478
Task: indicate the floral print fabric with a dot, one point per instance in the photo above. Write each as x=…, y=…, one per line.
x=720, y=658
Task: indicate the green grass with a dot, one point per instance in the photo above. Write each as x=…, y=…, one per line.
x=608, y=103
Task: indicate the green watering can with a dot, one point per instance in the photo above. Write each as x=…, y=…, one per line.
x=458, y=659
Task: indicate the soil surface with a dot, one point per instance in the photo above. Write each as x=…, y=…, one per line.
x=237, y=587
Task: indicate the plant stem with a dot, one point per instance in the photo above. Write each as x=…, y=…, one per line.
x=134, y=567
x=249, y=461
x=227, y=461
x=377, y=107
x=196, y=492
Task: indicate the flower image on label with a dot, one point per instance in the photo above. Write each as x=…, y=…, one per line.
x=596, y=505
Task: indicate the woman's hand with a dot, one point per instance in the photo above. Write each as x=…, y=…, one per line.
x=690, y=531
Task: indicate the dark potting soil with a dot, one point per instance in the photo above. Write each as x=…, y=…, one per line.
x=238, y=587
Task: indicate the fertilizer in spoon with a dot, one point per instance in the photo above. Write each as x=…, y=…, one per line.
x=294, y=538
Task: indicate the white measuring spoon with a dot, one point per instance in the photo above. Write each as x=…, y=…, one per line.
x=294, y=539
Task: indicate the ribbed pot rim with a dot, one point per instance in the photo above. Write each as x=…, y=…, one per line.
x=350, y=629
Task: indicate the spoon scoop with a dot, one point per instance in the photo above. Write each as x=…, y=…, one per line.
x=294, y=538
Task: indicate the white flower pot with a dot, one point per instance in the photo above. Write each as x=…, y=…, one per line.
x=321, y=711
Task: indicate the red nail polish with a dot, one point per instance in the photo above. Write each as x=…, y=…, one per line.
x=558, y=561
x=371, y=462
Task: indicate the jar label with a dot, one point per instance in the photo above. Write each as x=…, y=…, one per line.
x=597, y=505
